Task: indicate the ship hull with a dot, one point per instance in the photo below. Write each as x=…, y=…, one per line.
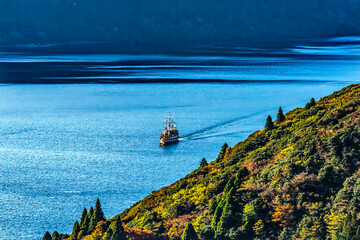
x=168, y=142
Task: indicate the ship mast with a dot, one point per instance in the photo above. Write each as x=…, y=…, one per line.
x=169, y=123
x=170, y=134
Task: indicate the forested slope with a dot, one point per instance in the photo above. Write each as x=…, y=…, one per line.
x=298, y=178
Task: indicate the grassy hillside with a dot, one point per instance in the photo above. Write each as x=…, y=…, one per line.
x=296, y=179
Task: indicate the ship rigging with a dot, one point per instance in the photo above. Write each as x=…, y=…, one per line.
x=171, y=133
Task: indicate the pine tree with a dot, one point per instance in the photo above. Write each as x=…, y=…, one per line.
x=269, y=125
x=226, y=216
x=89, y=221
x=91, y=212
x=83, y=216
x=218, y=212
x=227, y=153
x=98, y=212
x=312, y=102
x=280, y=116
x=117, y=230
x=96, y=217
x=76, y=230
x=55, y=236
x=189, y=233
x=85, y=226
x=92, y=224
x=222, y=153
x=203, y=163
x=221, y=205
x=47, y=236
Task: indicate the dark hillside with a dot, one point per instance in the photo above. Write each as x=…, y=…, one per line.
x=174, y=21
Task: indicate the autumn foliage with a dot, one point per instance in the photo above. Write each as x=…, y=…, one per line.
x=297, y=179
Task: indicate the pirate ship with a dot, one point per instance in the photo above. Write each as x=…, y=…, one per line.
x=171, y=133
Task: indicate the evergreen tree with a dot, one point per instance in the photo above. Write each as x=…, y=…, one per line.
x=47, y=236
x=218, y=212
x=92, y=224
x=227, y=153
x=117, y=230
x=312, y=102
x=221, y=205
x=83, y=216
x=269, y=123
x=98, y=212
x=76, y=230
x=280, y=116
x=85, y=226
x=189, y=233
x=55, y=236
x=89, y=221
x=227, y=217
x=222, y=153
x=91, y=212
x=96, y=217
x=203, y=163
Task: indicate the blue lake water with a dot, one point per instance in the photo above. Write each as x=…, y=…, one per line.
x=64, y=145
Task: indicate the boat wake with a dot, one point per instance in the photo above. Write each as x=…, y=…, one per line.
x=214, y=135
x=212, y=130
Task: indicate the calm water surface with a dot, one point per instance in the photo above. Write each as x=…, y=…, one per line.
x=62, y=146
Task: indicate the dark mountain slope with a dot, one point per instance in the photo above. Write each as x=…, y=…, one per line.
x=296, y=179
x=174, y=21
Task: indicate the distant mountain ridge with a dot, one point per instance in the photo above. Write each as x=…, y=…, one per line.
x=298, y=178
x=173, y=21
